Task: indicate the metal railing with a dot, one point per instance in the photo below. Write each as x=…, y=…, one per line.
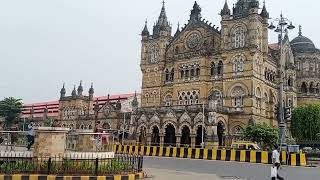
x=12, y=139
x=120, y=164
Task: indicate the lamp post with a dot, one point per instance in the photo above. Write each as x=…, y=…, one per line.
x=283, y=25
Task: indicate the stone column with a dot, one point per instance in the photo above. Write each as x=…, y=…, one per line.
x=178, y=140
x=161, y=139
x=149, y=139
x=50, y=141
x=193, y=140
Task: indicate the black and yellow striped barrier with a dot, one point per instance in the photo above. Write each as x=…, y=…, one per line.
x=53, y=177
x=213, y=154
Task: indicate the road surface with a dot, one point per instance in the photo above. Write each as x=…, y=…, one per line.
x=228, y=170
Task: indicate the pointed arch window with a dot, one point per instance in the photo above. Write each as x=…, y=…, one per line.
x=212, y=69
x=167, y=73
x=220, y=68
x=215, y=99
x=197, y=71
x=172, y=75
x=311, y=88
x=238, y=63
x=168, y=100
x=238, y=37
x=237, y=95
x=304, y=88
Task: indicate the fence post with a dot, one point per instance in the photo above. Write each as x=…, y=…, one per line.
x=49, y=166
x=96, y=166
x=140, y=163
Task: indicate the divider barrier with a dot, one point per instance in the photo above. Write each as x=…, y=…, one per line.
x=252, y=156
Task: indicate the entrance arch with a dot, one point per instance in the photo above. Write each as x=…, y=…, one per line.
x=185, y=138
x=155, y=139
x=170, y=137
x=220, y=132
x=199, y=135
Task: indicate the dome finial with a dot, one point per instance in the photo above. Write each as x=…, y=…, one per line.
x=300, y=30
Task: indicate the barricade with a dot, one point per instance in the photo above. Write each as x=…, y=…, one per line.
x=54, y=177
x=252, y=156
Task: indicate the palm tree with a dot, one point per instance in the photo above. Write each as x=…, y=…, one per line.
x=10, y=109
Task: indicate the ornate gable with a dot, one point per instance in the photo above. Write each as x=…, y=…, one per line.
x=198, y=118
x=170, y=114
x=107, y=110
x=185, y=118
x=196, y=39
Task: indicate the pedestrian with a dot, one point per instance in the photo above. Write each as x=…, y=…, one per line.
x=30, y=135
x=276, y=162
x=98, y=130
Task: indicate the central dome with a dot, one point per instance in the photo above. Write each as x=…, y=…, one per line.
x=302, y=44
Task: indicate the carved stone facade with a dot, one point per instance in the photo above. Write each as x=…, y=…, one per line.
x=211, y=79
x=80, y=111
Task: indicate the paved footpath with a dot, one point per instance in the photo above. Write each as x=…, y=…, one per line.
x=210, y=169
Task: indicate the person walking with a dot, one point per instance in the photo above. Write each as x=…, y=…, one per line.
x=276, y=162
x=30, y=135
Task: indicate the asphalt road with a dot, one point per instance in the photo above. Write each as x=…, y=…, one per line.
x=230, y=169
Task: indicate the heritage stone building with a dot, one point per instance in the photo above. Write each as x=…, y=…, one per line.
x=79, y=111
x=225, y=77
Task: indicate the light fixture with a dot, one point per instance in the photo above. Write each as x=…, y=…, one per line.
x=291, y=26
x=271, y=26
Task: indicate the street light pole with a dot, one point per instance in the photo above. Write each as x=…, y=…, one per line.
x=202, y=144
x=282, y=28
x=124, y=121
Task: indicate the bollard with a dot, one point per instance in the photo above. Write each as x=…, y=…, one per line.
x=49, y=166
x=96, y=166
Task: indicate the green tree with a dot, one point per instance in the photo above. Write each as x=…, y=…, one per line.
x=262, y=134
x=305, y=122
x=10, y=109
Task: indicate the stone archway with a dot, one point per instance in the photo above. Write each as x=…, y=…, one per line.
x=155, y=138
x=220, y=132
x=185, y=138
x=199, y=135
x=170, y=135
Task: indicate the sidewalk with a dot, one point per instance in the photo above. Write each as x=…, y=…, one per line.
x=161, y=174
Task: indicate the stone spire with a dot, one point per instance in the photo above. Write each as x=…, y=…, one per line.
x=178, y=30
x=195, y=12
x=225, y=11
x=162, y=23
x=145, y=31
x=264, y=13
x=63, y=92
x=300, y=30
x=91, y=92
x=135, y=102
x=80, y=89
x=74, y=92
x=118, y=105
x=242, y=8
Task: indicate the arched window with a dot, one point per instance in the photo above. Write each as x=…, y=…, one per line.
x=304, y=87
x=238, y=62
x=192, y=72
x=290, y=81
x=168, y=100
x=212, y=68
x=317, y=88
x=258, y=99
x=237, y=95
x=172, y=75
x=215, y=99
x=238, y=37
x=167, y=75
x=311, y=88
x=181, y=73
x=220, y=68
x=197, y=71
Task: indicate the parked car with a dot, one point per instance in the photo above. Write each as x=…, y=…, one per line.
x=245, y=146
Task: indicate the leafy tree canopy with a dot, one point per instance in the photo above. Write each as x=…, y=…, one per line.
x=262, y=134
x=10, y=109
x=305, y=122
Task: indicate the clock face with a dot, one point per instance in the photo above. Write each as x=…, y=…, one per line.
x=193, y=40
x=106, y=111
x=154, y=52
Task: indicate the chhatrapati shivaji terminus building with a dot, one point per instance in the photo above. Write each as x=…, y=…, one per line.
x=226, y=77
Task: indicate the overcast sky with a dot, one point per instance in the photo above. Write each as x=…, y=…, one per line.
x=44, y=43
